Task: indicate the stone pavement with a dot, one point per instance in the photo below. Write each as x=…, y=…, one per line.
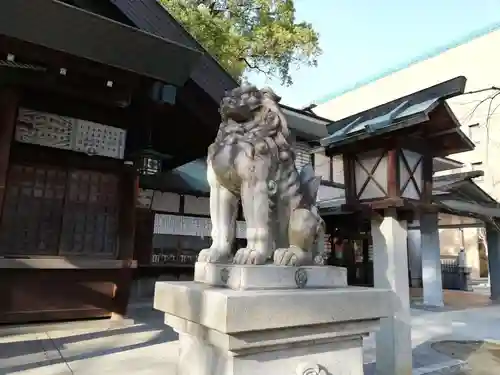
x=431, y=325
x=482, y=357
x=457, y=299
x=149, y=348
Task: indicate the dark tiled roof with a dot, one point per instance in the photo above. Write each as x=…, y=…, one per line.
x=461, y=186
x=390, y=116
x=78, y=32
x=151, y=16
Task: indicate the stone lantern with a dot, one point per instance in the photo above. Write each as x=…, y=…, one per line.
x=388, y=177
x=388, y=154
x=388, y=150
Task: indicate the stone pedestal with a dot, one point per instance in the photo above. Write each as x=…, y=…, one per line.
x=310, y=323
x=390, y=271
x=415, y=257
x=269, y=277
x=431, y=260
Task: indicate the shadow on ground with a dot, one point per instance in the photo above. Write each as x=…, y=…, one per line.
x=70, y=348
x=149, y=347
x=482, y=357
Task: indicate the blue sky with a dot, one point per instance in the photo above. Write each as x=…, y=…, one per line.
x=363, y=38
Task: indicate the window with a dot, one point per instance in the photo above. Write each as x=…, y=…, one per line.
x=475, y=133
x=478, y=166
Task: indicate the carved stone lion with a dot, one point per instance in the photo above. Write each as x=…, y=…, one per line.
x=252, y=159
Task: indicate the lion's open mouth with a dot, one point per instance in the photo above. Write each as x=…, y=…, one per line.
x=240, y=113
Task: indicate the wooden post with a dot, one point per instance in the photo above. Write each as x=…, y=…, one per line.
x=349, y=179
x=394, y=190
x=129, y=187
x=9, y=99
x=427, y=177
x=144, y=227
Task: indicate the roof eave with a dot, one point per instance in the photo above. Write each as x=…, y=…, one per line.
x=406, y=123
x=151, y=16
x=78, y=32
x=444, y=90
x=308, y=126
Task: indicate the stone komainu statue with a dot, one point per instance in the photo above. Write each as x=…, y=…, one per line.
x=252, y=159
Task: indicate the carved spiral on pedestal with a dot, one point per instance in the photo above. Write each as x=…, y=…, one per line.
x=224, y=275
x=310, y=369
x=301, y=278
x=272, y=187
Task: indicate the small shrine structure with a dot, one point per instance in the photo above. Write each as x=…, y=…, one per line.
x=388, y=155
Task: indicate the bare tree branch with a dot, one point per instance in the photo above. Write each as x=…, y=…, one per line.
x=491, y=98
x=495, y=88
x=251, y=66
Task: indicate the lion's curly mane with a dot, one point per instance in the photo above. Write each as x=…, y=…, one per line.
x=252, y=120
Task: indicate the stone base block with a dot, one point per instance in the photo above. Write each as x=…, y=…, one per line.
x=334, y=349
x=249, y=277
x=280, y=332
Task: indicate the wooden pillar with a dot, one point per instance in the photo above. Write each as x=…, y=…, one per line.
x=129, y=187
x=349, y=179
x=9, y=101
x=144, y=227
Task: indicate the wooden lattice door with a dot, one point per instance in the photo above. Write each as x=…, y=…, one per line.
x=33, y=211
x=48, y=211
x=90, y=225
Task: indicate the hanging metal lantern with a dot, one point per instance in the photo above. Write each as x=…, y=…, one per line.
x=149, y=162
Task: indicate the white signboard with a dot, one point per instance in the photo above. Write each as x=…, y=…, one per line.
x=98, y=139
x=190, y=226
x=196, y=205
x=158, y=201
x=66, y=133
x=166, y=202
x=44, y=129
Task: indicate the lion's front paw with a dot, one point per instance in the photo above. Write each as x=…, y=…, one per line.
x=249, y=256
x=213, y=255
x=292, y=256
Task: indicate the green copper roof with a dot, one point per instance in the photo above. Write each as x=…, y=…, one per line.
x=190, y=178
x=391, y=116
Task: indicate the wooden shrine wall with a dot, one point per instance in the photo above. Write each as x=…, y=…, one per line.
x=67, y=221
